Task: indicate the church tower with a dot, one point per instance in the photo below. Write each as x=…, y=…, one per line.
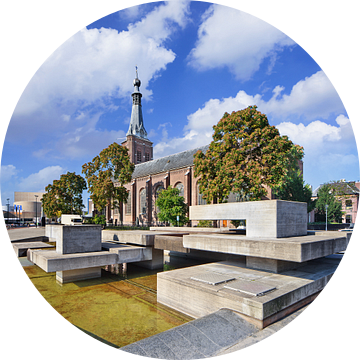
x=140, y=147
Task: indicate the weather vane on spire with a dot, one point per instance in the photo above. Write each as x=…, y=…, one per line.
x=136, y=68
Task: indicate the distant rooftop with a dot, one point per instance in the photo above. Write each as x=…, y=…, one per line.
x=341, y=187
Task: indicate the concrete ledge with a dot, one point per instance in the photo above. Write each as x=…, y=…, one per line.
x=21, y=248
x=128, y=253
x=51, y=261
x=171, y=243
x=295, y=249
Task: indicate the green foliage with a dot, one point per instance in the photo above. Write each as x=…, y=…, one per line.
x=205, y=223
x=112, y=164
x=293, y=187
x=99, y=219
x=171, y=205
x=246, y=153
x=64, y=196
x=326, y=196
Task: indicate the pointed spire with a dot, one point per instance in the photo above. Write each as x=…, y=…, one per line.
x=136, y=126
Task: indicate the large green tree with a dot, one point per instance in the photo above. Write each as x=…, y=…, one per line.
x=327, y=196
x=293, y=187
x=171, y=206
x=246, y=153
x=106, y=175
x=64, y=196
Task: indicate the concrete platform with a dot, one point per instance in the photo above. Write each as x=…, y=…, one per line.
x=136, y=237
x=27, y=234
x=294, y=249
x=51, y=261
x=21, y=248
x=289, y=291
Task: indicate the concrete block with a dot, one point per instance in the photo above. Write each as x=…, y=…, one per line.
x=265, y=219
x=156, y=262
x=79, y=239
x=77, y=275
x=129, y=253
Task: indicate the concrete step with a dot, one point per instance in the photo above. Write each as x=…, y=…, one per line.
x=197, y=339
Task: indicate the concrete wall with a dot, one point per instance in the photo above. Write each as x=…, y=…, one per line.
x=71, y=239
x=268, y=218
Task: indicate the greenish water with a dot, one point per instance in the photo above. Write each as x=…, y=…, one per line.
x=117, y=309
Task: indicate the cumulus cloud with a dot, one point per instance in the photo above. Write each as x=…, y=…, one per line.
x=90, y=70
x=241, y=54
x=309, y=98
x=8, y=172
x=38, y=181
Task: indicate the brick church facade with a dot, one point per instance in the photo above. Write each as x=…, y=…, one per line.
x=151, y=176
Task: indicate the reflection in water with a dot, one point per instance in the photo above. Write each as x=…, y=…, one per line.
x=119, y=308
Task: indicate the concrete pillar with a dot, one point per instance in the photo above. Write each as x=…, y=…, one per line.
x=78, y=274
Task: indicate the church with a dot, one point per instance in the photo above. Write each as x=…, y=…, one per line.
x=151, y=176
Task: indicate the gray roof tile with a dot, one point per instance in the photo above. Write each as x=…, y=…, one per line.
x=167, y=163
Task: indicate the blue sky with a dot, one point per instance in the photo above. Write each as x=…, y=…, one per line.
x=196, y=60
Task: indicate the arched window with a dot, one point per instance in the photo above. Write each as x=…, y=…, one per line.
x=158, y=190
x=128, y=205
x=200, y=200
x=143, y=202
x=180, y=187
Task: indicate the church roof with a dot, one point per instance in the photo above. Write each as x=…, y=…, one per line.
x=167, y=163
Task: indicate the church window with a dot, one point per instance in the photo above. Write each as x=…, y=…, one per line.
x=200, y=199
x=147, y=156
x=158, y=190
x=138, y=156
x=180, y=187
x=128, y=205
x=143, y=202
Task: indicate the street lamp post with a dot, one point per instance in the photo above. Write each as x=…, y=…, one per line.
x=8, y=212
x=36, y=196
x=326, y=209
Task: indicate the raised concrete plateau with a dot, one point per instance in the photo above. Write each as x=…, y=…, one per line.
x=265, y=219
x=261, y=297
x=294, y=249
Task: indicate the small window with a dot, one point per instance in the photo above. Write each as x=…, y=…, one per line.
x=138, y=156
x=200, y=200
x=348, y=204
x=147, y=156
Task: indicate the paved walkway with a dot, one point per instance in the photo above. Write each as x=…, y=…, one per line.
x=26, y=234
x=216, y=334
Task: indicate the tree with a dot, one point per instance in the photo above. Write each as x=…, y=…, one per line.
x=293, y=187
x=64, y=196
x=171, y=205
x=246, y=153
x=112, y=164
x=327, y=196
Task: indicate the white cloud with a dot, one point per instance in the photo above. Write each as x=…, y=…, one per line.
x=309, y=98
x=8, y=172
x=91, y=68
x=216, y=47
x=38, y=181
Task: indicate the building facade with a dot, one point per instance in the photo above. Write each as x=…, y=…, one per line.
x=150, y=176
x=347, y=192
